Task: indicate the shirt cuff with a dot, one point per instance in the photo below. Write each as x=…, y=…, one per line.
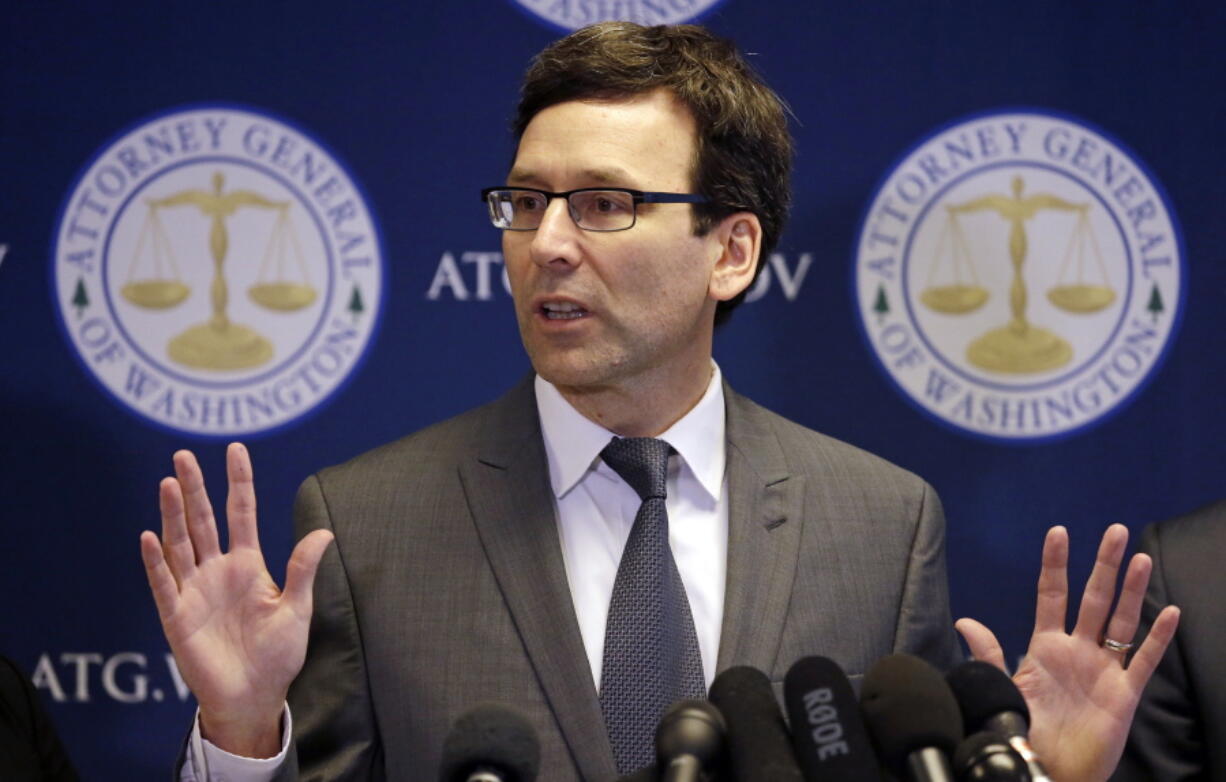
x=206, y=762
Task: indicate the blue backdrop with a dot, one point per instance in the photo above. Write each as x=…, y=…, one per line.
x=413, y=100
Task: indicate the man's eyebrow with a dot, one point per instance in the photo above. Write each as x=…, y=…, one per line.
x=608, y=176
x=611, y=176
x=520, y=176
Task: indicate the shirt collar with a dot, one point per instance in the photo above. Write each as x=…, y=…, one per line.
x=573, y=443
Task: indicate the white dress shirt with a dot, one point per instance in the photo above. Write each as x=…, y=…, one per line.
x=595, y=511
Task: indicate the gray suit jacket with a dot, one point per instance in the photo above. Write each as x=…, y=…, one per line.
x=1180, y=729
x=446, y=585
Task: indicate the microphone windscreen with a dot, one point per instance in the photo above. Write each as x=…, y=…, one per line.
x=758, y=745
x=983, y=691
x=828, y=734
x=691, y=728
x=908, y=707
x=988, y=757
x=491, y=736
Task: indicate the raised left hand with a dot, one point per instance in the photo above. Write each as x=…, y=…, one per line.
x=1080, y=694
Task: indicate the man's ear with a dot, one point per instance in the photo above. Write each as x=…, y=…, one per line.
x=739, y=238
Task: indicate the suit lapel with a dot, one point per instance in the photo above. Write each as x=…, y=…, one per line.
x=764, y=527
x=507, y=487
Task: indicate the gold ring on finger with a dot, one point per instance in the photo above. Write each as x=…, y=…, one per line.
x=1119, y=647
x=1112, y=645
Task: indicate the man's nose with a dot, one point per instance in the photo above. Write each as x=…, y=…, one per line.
x=557, y=237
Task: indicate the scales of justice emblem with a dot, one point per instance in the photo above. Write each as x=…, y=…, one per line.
x=217, y=271
x=1019, y=275
x=1019, y=346
x=219, y=343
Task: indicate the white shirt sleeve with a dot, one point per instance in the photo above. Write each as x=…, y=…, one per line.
x=206, y=762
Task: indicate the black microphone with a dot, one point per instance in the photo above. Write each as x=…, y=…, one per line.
x=490, y=743
x=828, y=733
x=689, y=745
x=758, y=744
x=912, y=717
x=987, y=757
x=690, y=741
x=991, y=701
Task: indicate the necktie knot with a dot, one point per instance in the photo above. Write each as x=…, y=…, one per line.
x=641, y=462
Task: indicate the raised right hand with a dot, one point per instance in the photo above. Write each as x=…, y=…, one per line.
x=238, y=640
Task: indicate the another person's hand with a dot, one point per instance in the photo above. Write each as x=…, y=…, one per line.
x=1080, y=695
x=238, y=640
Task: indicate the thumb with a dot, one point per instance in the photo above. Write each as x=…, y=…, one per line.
x=300, y=572
x=982, y=642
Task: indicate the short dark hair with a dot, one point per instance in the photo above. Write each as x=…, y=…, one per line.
x=743, y=161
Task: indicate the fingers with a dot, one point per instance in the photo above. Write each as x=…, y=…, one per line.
x=1100, y=589
x=1052, y=603
x=300, y=572
x=176, y=544
x=201, y=526
x=982, y=642
x=240, y=502
x=1150, y=652
x=1123, y=624
x=161, y=581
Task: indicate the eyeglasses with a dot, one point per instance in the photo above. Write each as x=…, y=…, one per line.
x=592, y=208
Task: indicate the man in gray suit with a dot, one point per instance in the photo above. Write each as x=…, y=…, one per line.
x=475, y=560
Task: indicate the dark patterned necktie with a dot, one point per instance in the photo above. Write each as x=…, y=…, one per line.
x=651, y=656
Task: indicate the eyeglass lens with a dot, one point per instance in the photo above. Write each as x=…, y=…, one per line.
x=595, y=210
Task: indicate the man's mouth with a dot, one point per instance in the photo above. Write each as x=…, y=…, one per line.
x=562, y=310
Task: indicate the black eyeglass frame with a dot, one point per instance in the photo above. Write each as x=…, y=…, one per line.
x=636, y=196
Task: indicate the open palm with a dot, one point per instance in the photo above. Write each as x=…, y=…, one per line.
x=1080, y=695
x=238, y=640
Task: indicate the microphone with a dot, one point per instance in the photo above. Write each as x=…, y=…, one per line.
x=828, y=733
x=758, y=744
x=490, y=743
x=987, y=757
x=991, y=701
x=690, y=741
x=912, y=717
x=689, y=745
